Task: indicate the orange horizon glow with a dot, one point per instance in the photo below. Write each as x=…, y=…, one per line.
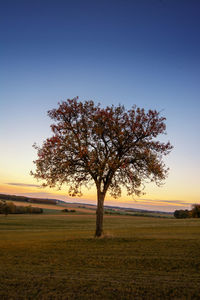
x=154, y=199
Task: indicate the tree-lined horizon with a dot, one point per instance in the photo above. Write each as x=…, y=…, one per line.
x=111, y=147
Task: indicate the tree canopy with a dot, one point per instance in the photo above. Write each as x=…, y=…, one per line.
x=111, y=147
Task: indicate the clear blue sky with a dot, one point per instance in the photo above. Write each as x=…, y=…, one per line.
x=140, y=52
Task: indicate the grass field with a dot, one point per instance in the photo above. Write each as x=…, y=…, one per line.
x=55, y=208
x=56, y=257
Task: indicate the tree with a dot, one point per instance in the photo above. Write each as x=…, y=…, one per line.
x=4, y=207
x=195, y=211
x=111, y=147
x=182, y=214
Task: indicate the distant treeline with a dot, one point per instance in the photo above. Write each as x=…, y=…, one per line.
x=193, y=213
x=27, y=199
x=10, y=208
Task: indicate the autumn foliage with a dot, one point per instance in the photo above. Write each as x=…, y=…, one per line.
x=111, y=147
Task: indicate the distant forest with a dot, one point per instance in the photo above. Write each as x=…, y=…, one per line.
x=193, y=213
x=28, y=199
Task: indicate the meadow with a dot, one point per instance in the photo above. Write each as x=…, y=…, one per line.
x=55, y=256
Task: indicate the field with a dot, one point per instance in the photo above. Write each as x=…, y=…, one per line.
x=55, y=208
x=54, y=256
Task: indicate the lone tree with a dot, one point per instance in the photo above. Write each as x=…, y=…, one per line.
x=111, y=147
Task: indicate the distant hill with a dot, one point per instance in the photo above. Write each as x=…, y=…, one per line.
x=30, y=199
x=126, y=209
x=137, y=210
x=80, y=205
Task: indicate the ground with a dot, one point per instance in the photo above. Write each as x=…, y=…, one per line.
x=55, y=256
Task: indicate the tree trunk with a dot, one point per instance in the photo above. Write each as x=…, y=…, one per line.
x=99, y=214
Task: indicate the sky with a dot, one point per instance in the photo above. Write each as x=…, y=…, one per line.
x=143, y=52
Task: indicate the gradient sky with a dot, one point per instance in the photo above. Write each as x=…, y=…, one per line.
x=140, y=52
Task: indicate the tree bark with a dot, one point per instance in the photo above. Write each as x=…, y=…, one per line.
x=99, y=214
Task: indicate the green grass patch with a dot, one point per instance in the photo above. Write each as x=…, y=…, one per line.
x=123, y=212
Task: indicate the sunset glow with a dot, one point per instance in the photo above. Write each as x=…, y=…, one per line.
x=110, y=56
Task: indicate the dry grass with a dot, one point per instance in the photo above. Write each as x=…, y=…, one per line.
x=56, y=257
